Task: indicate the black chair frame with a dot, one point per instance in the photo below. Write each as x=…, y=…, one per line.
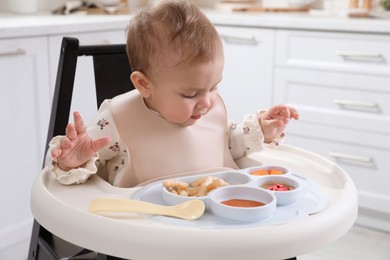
x=112, y=77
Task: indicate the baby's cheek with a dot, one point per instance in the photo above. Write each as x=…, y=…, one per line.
x=214, y=102
x=181, y=114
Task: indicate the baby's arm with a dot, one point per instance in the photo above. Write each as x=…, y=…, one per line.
x=258, y=131
x=75, y=169
x=274, y=121
x=245, y=137
x=76, y=147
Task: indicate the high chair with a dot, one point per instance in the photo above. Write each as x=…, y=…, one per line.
x=61, y=212
x=112, y=77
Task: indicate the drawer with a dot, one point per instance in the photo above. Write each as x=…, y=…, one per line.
x=368, y=167
x=339, y=134
x=363, y=53
x=346, y=100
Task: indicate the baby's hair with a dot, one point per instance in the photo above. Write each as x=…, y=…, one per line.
x=171, y=29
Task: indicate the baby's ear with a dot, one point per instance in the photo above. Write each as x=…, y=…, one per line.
x=142, y=83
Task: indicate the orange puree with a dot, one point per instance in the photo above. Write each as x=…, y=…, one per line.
x=267, y=172
x=243, y=203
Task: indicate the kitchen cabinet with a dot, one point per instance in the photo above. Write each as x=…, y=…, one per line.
x=28, y=68
x=84, y=93
x=25, y=108
x=341, y=86
x=247, y=78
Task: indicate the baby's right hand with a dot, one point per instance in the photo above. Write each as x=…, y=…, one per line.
x=76, y=148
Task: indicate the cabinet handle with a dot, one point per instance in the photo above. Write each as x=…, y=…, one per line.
x=347, y=102
x=351, y=157
x=13, y=53
x=243, y=39
x=360, y=55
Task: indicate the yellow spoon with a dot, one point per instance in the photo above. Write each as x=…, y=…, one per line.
x=189, y=210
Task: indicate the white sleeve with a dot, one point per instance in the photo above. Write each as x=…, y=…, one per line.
x=247, y=137
x=74, y=176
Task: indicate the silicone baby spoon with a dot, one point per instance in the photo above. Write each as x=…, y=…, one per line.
x=189, y=210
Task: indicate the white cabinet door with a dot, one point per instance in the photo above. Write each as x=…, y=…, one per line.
x=25, y=108
x=84, y=94
x=334, y=51
x=344, y=100
x=340, y=84
x=367, y=166
x=247, y=79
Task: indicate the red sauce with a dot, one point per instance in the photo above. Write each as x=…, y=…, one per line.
x=277, y=187
x=243, y=203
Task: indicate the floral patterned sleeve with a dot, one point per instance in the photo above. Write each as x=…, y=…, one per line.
x=247, y=137
x=108, y=161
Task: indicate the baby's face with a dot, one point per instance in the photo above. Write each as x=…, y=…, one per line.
x=182, y=94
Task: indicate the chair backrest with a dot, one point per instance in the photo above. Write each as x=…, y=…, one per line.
x=112, y=77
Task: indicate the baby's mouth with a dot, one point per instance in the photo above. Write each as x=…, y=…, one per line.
x=202, y=112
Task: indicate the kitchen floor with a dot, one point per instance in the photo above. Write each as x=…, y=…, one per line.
x=358, y=244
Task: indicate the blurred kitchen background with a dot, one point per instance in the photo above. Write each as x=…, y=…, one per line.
x=337, y=6
x=329, y=58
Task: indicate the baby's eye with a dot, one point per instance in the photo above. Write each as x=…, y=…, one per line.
x=190, y=96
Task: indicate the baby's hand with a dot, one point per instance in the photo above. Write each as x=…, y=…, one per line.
x=76, y=148
x=274, y=121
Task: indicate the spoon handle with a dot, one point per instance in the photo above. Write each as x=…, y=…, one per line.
x=126, y=205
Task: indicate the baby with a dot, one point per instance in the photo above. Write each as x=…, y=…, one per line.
x=174, y=123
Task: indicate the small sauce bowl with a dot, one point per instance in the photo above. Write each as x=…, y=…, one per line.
x=284, y=197
x=242, y=194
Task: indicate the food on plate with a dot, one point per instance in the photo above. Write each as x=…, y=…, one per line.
x=277, y=186
x=243, y=203
x=176, y=187
x=198, y=188
x=267, y=172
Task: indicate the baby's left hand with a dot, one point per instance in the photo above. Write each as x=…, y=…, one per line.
x=274, y=121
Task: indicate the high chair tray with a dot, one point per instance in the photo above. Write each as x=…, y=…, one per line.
x=63, y=210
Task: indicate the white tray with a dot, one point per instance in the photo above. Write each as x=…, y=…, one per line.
x=63, y=210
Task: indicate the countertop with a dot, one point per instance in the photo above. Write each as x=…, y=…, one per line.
x=304, y=21
x=47, y=24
